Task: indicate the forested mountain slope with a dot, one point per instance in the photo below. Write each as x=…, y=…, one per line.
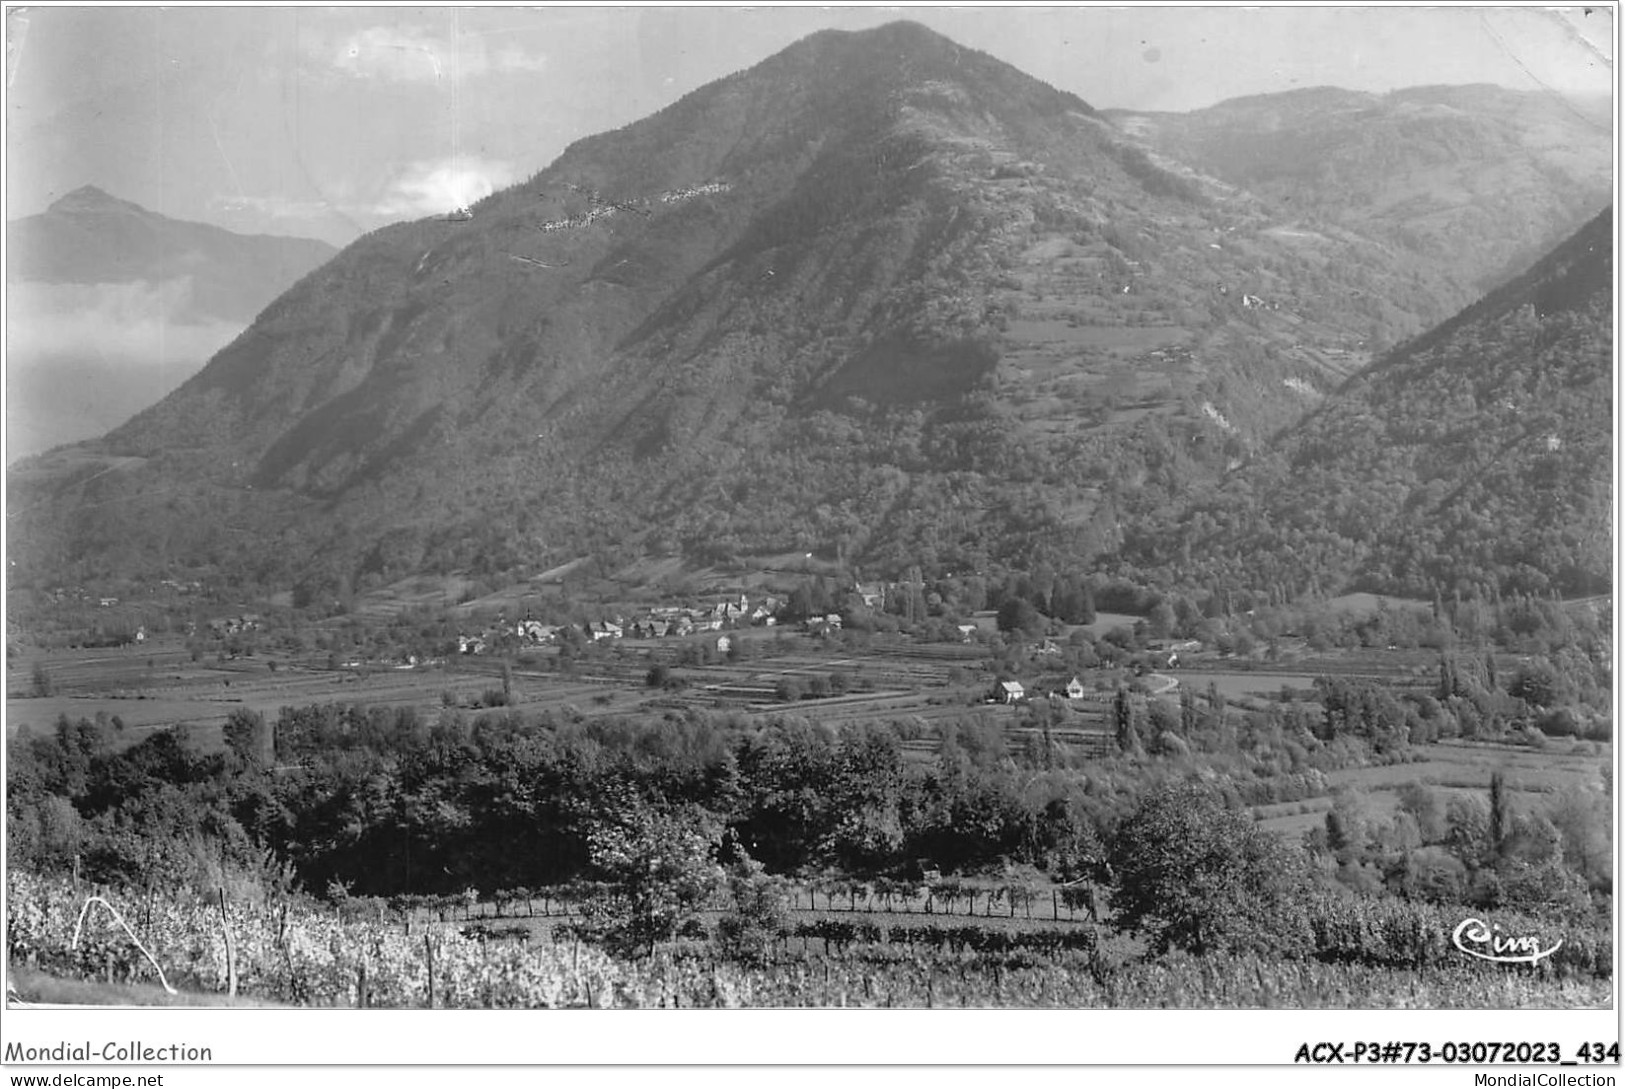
x=1474, y=460
x=879, y=296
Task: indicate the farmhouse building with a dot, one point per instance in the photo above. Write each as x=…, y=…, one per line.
x=535, y=631
x=1010, y=692
x=604, y=629
x=824, y=625
x=872, y=594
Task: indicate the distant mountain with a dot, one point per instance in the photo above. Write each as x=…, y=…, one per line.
x=89, y=237
x=1480, y=179
x=880, y=297
x=1474, y=460
x=111, y=306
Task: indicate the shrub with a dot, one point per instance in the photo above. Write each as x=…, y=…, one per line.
x=1195, y=875
x=759, y=914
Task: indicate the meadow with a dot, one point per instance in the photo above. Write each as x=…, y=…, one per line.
x=924, y=686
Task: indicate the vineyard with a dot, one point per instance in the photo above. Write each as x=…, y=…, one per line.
x=402, y=956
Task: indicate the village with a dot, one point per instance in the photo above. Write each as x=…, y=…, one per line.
x=718, y=629
x=674, y=621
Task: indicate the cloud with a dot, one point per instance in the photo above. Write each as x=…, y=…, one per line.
x=83, y=358
x=511, y=58
x=408, y=54
x=130, y=324
x=429, y=188
x=273, y=207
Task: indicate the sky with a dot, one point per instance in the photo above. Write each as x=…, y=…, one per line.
x=332, y=121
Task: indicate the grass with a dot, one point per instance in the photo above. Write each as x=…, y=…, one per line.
x=434, y=592
x=1363, y=604
x=38, y=988
x=1457, y=768
x=1244, y=684
x=1105, y=337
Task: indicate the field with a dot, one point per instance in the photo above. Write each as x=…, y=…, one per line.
x=921, y=686
x=988, y=939
x=311, y=957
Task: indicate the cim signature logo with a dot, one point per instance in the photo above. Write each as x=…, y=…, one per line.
x=1479, y=939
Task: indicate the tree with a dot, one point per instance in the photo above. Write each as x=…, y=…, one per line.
x=1584, y=821
x=1162, y=620
x=1017, y=614
x=1447, y=677
x=1499, y=822
x=1191, y=874
x=1538, y=683
x=1188, y=719
x=760, y=912
x=660, y=868
x=248, y=737
x=1125, y=729
x=1424, y=807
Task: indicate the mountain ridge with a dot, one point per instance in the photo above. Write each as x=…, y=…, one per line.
x=878, y=296
x=1417, y=168
x=1470, y=461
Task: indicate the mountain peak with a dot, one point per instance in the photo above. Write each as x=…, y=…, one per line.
x=905, y=53
x=88, y=198
x=900, y=34
x=903, y=32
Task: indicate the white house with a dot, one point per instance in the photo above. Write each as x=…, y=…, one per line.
x=536, y=631
x=824, y=625
x=1010, y=692
x=604, y=629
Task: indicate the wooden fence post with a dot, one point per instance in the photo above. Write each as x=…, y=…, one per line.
x=428, y=954
x=231, y=947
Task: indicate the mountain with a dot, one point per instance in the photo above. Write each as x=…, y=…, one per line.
x=89, y=237
x=1474, y=460
x=1484, y=178
x=111, y=305
x=879, y=296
